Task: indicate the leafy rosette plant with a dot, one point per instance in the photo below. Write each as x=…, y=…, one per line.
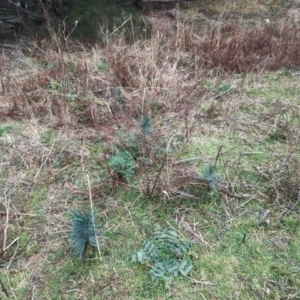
x=166, y=255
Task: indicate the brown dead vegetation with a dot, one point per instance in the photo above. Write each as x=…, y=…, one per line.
x=66, y=88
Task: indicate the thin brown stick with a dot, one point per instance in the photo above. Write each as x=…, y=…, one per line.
x=4, y=289
x=197, y=281
x=218, y=155
x=156, y=179
x=6, y=223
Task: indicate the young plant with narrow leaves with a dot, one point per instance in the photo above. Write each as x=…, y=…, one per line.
x=146, y=123
x=209, y=175
x=85, y=232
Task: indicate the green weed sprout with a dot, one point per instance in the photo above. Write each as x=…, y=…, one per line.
x=165, y=253
x=209, y=176
x=146, y=123
x=102, y=66
x=85, y=232
x=224, y=87
x=118, y=96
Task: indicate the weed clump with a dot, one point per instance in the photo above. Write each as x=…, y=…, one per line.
x=123, y=164
x=166, y=255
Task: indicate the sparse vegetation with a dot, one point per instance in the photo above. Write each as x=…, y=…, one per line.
x=193, y=129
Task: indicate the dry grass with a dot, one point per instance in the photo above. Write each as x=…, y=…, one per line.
x=143, y=71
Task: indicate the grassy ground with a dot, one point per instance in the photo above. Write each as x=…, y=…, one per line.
x=213, y=154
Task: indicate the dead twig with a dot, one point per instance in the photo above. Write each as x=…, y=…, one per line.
x=197, y=281
x=4, y=289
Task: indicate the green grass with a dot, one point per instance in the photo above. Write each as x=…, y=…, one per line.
x=245, y=255
x=235, y=257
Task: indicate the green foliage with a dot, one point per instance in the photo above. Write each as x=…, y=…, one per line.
x=165, y=254
x=102, y=66
x=61, y=85
x=4, y=129
x=146, y=125
x=133, y=143
x=51, y=66
x=210, y=177
x=85, y=231
x=224, y=87
x=118, y=96
x=55, y=85
x=128, y=142
x=142, y=144
x=124, y=164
